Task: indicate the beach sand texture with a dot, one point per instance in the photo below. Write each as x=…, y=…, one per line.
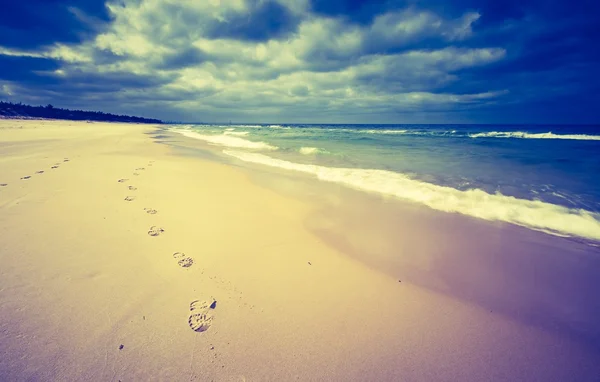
x=126, y=259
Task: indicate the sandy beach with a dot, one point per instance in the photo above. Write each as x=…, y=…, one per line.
x=127, y=254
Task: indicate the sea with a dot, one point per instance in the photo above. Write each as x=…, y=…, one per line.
x=540, y=177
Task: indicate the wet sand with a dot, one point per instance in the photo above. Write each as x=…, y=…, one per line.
x=192, y=268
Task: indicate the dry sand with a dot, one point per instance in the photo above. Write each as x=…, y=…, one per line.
x=86, y=293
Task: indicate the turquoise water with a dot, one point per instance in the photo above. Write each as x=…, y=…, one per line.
x=541, y=177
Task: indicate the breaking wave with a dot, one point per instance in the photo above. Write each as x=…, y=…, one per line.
x=311, y=150
x=228, y=140
x=533, y=214
x=238, y=133
x=525, y=135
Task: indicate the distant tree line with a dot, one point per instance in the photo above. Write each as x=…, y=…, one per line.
x=18, y=110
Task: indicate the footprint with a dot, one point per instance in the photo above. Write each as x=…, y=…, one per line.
x=150, y=211
x=132, y=188
x=3, y=184
x=66, y=160
x=186, y=262
x=136, y=174
x=122, y=180
x=140, y=169
x=54, y=167
x=129, y=198
x=25, y=177
x=200, y=305
x=203, y=306
x=201, y=318
x=39, y=172
x=200, y=322
x=155, y=231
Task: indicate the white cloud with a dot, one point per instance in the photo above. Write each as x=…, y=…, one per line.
x=6, y=89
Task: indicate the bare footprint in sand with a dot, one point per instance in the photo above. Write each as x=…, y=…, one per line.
x=39, y=172
x=25, y=177
x=132, y=188
x=150, y=211
x=140, y=169
x=201, y=318
x=129, y=198
x=53, y=167
x=66, y=160
x=155, y=231
x=122, y=180
x=136, y=174
x=3, y=184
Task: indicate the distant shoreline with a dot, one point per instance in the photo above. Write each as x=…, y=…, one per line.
x=9, y=110
x=26, y=118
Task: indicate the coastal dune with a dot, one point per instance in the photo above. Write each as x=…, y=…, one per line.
x=127, y=259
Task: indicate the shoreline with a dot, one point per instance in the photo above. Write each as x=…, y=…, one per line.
x=487, y=264
x=295, y=297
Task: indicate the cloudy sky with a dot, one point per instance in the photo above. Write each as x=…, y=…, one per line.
x=337, y=61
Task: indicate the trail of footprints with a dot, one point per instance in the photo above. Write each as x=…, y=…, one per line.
x=200, y=311
x=39, y=172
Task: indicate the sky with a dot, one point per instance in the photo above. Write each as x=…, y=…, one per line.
x=307, y=61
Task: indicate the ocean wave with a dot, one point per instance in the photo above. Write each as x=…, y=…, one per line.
x=403, y=132
x=228, y=141
x=311, y=150
x=238, y=133
x=249, y=126
x=533, y=214
x=525, y=135
x=375, y=131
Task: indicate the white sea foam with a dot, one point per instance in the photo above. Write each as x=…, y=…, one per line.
x=228, y=141
x=525, y=135
x=403, y=132
x=311, y=150
x=533, y=214
x=375, y=131
x=238, y=133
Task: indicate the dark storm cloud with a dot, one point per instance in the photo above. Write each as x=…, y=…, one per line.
x=89, y=82
x=358, y=11
x=103, y=56
x=551, y=65
x=33, y=23
x=26, y=69
x=39, y=77
x=265, y=20
x=186, y=57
